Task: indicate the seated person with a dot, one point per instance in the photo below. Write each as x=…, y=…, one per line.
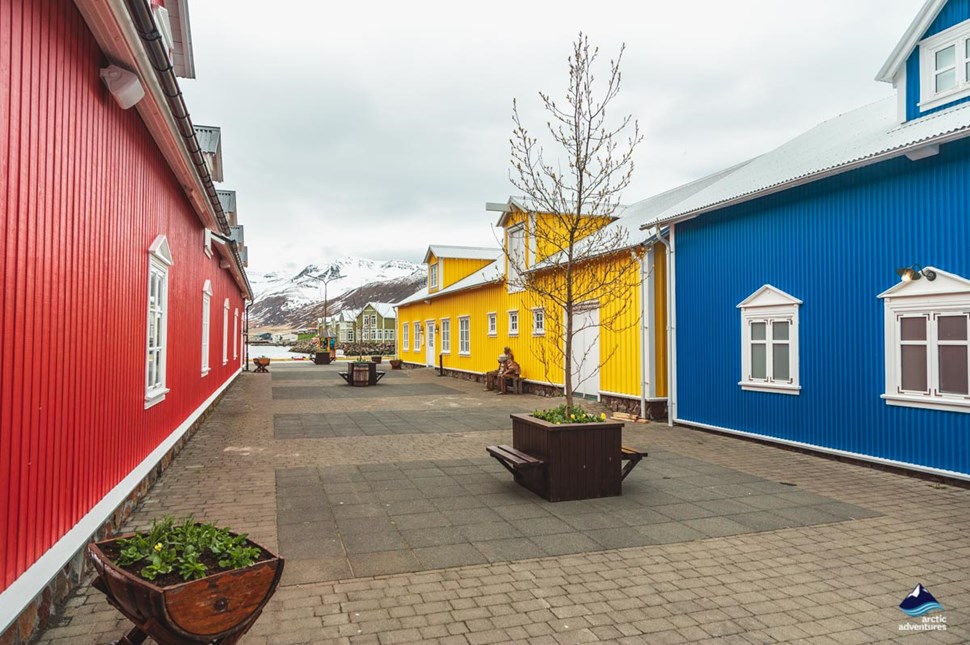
x=512, y=369
x=491, y=378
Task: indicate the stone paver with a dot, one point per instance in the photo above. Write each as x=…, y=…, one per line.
x=856, y=539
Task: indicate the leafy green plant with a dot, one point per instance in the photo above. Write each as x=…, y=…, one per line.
x=182, y=548
x=566, y=414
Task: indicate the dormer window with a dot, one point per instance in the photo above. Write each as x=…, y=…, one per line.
x=945, y=67
x=433, y=276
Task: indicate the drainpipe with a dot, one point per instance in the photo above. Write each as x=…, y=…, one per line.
x=644, y=334
x=671, y=325
x=158, y=57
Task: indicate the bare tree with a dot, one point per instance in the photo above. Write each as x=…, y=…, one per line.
x=580, y=257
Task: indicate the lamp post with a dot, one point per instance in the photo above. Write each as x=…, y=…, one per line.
x=326, y=302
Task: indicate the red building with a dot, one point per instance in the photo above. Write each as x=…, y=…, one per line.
x=123, y=290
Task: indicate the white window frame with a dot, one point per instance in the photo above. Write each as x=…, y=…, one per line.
x=445, y=335
x=515, y=282
x=947, y=295
x=433, y=276
x=225, y=332
x=416, y=326
x=513, y=322
x=465, y=336
x=206, y=324
x=956, y=36
x=492, y=323
x=159, y=262
x=770, y=305
x=405, y=336
x=235, y=334
x=538, y=321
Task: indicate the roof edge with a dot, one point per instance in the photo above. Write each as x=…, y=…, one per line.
x=924, y=18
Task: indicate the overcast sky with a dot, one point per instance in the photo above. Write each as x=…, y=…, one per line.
x=376, y=129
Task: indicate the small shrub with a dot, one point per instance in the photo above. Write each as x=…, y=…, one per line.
x=564, y=414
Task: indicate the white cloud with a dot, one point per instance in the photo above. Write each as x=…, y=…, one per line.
x=375, y=129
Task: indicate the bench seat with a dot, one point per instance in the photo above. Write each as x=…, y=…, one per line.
x=631, y=457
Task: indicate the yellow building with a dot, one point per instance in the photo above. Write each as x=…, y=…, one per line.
x=474, y=305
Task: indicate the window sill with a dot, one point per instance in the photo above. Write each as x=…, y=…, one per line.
x=155, y=397
x=464, y=353
x=206, y=371
x=513, y=334
x=493, y=334
x=538, y=333
x=944, y=99
x=936, y=403
x=774, y=388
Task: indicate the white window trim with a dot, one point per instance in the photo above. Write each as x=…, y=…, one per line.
x=492, y=319
x=225, y=332
x=206, y=325
x=535, y=330
x=514, y=278
x=235, y=334
x=445, y=326
x=947, y=294
x=159, y=261
x=770, y=304
x=405, y=336
x=433, y=276
x=416, y=326
x=468, y=321
x=515, y=331
x=956, y=35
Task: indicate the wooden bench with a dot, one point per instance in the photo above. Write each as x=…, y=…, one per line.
x=373, y=376
x=631, y=458
x=527, y=470
x=510, y=384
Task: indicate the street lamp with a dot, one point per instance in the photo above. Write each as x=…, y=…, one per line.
x=326, y=302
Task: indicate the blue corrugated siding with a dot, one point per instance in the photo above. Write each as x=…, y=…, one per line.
x=835, y=245
x=953, y=13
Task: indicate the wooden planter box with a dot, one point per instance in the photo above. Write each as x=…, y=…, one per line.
x=376, y=359
x=396, y=363
x=321, y=358
x=360, y=373
x=582, y=459
x=218, y=608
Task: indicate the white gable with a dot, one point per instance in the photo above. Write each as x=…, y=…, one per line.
x=160, y=250
x=769, y=296
x=897, y=60
x=945, y=283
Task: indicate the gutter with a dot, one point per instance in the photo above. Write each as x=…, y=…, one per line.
x=671, y=324
x=158, y=57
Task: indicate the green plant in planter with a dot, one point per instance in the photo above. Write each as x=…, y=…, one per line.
x=183, y=549
x=566, y=414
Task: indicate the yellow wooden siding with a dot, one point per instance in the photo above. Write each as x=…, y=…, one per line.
x=454, y=269
x=540, y=360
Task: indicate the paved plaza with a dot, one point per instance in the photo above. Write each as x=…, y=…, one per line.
x=396, y=527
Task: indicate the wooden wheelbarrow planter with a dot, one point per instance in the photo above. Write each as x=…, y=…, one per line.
x=219, y=608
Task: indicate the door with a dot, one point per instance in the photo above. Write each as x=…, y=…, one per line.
x=429, y=343
x=586, y=351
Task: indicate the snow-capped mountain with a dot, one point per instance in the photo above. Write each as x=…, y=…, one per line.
x=287, y=298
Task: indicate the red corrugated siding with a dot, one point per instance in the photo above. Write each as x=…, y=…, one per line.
x=84, y=191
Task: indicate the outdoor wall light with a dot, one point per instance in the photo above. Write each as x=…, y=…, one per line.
x=915, y=272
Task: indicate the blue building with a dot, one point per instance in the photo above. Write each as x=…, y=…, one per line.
x=820, y=293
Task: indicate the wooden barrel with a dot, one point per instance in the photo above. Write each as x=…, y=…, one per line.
x=361, y=374
x=216, y=607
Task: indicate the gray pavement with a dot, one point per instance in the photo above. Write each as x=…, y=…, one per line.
x=394, y=536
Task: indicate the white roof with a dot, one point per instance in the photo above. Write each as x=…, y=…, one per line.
x=383, y=309
x=864, y=136
x=493, y=272
x=931, y=9
x=462, y=252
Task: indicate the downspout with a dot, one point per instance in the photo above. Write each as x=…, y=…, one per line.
x=644, y=335
x=145, y=26
x=671, y=321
